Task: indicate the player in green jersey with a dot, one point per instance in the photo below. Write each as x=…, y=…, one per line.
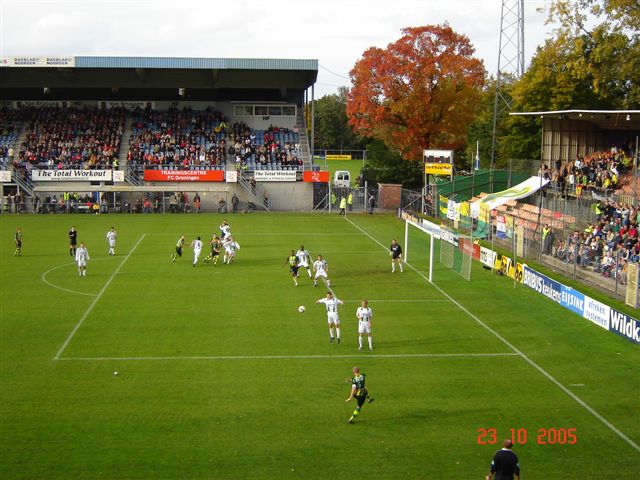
x=18, y=239
x=358, y=391
x=292, y=260
x=216, y=245
x=179, y=247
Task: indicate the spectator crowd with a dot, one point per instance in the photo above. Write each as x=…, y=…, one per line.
x=606, y=246
x=187, y=139
x=71, y=138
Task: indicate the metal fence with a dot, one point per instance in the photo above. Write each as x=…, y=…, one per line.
x=563, y=232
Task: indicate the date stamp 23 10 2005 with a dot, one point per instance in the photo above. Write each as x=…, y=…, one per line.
x=520, y=436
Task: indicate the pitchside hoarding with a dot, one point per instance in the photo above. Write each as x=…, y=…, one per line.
x=274, y=176
x=184, y=175
x=72, y=175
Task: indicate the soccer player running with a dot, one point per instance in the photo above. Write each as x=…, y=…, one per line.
x=230, y=248
x=304, y=259
x=73, y=241
x=82, y=257
x=197, y=250
x=331, y=303
x=179, y=247
x=322, y=271
x=18, y=239
x=111, y=239
x=395, y=252
x=292, y=260
x=225, y=230
x=358, y=391
x=216, y=244
x=364, y=314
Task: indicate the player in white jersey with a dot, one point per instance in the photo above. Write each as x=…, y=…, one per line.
x=82, y=257
x=364, y=314
x=331, y=303
x=197, y=250
x=111, y=240
x=304, y=259
x=322, y=271
x=230, y=248
x=225, y=230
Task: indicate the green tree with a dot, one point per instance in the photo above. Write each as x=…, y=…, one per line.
x=386, y=166
x=332, y=125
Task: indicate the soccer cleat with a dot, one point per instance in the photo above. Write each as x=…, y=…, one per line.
x=315, y=284
x=338, y=339
x=350, y=420
x=330, y=339
x=369, y=399
x=359, y=348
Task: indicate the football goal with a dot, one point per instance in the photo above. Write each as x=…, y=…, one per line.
x=456, y=251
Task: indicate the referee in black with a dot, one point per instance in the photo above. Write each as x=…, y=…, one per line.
x=504, y=464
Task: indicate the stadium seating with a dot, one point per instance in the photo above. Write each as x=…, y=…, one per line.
x=10, y=124
x=195, y=140
x=66, y=138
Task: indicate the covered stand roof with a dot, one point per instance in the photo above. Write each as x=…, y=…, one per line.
x=604, y=119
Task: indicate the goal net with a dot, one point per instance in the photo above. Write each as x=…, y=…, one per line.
x=456, y=252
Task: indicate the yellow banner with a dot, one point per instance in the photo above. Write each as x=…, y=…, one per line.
x=338, y=157
x=444, y=205
x=438, y=168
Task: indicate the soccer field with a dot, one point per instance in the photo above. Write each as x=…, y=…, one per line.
x=219, y=375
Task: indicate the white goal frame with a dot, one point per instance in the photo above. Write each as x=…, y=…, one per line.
x=433, y=234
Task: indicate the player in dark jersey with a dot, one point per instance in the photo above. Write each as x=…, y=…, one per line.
x=179, y=247
x=73, y=241
x=395, y=252
x=358, y=391
x=18, y=239
x=216, y=245
x=292, y=260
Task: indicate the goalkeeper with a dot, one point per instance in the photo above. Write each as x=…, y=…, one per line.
x=395, y=252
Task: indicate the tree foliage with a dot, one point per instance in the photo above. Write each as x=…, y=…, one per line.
x=420, y=92
x=332, y=127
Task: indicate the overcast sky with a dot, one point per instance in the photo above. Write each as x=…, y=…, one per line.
x=336, y=32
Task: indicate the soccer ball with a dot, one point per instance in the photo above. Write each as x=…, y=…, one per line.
x=301, y=309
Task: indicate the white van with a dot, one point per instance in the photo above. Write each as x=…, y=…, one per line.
x=342, y=179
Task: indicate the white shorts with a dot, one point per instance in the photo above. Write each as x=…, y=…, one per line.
x=303, y=265
x=332, y=317
x=196, y=254
x=321, y=273
x=364, y=327
x=112, y=244
x=82, y=263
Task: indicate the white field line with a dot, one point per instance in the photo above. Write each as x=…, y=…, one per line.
x=399, y=301
x=43, y=277
x=550, y=377
x=291, y=357
x=260, y=234
x=96, y=300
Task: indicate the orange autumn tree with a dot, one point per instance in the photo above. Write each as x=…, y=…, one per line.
x=420, y=92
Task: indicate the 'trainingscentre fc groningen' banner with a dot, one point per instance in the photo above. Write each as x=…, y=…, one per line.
x=184, y=175
x=274, y=176
x=71, y=175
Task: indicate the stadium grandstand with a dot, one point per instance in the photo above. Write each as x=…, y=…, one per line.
x=101, y=125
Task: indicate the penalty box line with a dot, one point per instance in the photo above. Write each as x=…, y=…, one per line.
x=290, y=357
x=522, y=355
x=96, y=300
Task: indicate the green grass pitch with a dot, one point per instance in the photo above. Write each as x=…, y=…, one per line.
x=220, y=377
